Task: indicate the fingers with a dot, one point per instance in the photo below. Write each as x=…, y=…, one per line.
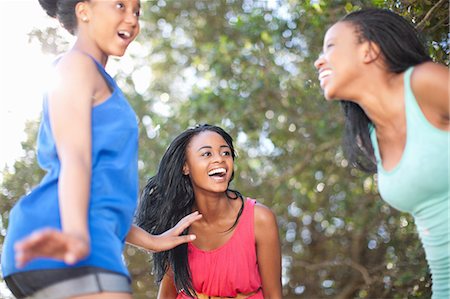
x=186, y=221
x=180, y=240
x=32, y=247
x=78, y=249
x=34, y=239
x=50, y=243
x=70, y=258
x=171, y=238
x=22, y=259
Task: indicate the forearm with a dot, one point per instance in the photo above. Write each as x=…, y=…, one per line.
x=140, y=238
x=74, y=193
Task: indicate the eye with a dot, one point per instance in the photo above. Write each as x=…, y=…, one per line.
x=329, y=45
x=120, y=5
x=206, y=154
x=226, y=153
x=137, y=13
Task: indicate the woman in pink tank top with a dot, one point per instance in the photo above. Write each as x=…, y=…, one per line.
x=237, y=251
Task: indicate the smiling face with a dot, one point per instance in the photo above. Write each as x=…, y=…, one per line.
x=110, y=25
x=339, y=64
x=209, y=162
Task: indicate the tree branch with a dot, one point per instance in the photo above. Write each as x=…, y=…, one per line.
x=421, y=24
x=361, y=269
x=348, y=290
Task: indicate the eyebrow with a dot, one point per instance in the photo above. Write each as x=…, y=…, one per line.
x=329, y=40
x=139, y=4
x=210, y=147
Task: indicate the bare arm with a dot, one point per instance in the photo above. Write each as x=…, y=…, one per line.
x=168, y=240
x=167, y=288
x=70, y=104
x=268, y=251
x=430, y=84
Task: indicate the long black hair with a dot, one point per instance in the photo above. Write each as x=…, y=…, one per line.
x=400, y=48
x=168, y=197
x=64, y=11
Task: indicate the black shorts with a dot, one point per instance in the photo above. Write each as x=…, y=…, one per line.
x=67, y=282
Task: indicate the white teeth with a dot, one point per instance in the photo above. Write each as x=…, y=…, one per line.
x=324, y=73
x=125, y=34
x=217, y=170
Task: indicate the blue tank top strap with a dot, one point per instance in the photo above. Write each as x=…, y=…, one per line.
x=109, y=80
x=105, y=75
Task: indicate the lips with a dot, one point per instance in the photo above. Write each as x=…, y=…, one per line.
x=124, y=34
x=217, y=172
x=324, y=73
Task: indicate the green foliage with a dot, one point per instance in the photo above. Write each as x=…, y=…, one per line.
x=248, y=67
x=21, y=179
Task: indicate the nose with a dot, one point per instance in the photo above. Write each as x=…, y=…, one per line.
x=218, y=158
x=319, y=61
x=132, y=19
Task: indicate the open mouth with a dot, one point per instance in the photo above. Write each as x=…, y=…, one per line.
x=324, y=73
x=124, y=34
x=217, y=172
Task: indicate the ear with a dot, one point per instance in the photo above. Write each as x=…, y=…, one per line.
x=371, y=52
x=82, y=11
x=185, y=169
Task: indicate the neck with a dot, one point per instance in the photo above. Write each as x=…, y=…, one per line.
x=381, y=98
x=213, y=206
x=84, y=46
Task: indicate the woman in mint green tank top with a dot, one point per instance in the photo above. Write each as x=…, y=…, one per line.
x=396, y=106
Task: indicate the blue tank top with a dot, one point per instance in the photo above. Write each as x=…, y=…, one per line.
x=419, y=185
x=113, y=193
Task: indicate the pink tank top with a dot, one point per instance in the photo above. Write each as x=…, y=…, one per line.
x=232, y=268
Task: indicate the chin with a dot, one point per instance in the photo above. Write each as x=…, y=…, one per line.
x=119, y=54
x=330, y=95
x=118, y=51
x=220, y=189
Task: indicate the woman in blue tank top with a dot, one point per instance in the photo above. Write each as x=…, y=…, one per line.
x=396, y=106
x=65, y=239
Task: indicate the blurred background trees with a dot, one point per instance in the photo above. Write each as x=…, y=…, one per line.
x=247, y=65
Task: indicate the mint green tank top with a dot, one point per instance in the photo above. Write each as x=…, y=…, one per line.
x=419, y=185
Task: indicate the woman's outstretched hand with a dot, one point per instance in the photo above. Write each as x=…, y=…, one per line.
x=165, y=241
x=171, y=238
x=51, y=243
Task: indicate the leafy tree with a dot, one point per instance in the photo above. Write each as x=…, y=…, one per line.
x=247, y=66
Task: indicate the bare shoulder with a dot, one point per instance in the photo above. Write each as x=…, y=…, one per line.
x=429, y=72
x=264, y=216
x=427, y=75
x=430, y=85
x=75, y=63
x=266, y=227
x=75, y=74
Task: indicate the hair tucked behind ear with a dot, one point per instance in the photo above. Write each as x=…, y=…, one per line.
x=400, y=48
x=167, y=198
x=64, y=11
